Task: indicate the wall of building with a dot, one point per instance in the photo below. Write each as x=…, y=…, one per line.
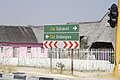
x=26, y=52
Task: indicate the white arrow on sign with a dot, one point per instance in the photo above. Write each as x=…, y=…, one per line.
x=47, y=36
x=75, y=28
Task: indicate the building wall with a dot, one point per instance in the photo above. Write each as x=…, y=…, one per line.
x=32, y=52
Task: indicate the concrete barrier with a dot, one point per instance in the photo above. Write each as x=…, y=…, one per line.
x=77, y=64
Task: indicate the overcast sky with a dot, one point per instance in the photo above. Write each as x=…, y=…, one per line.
x=41, y=12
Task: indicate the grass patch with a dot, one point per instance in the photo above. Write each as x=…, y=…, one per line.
x=7, y=68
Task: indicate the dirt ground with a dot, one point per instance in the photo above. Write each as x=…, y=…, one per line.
x=66, y=75
x=92, y=75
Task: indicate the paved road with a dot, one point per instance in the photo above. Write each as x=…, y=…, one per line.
x=62, y=79
x=28, y=77
x=95, y=79
x=11, y=77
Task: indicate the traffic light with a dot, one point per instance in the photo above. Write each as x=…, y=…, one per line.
x=113, y=15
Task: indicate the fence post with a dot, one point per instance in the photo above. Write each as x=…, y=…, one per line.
x=72, y=61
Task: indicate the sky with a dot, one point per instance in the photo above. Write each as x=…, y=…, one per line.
x=43, y=12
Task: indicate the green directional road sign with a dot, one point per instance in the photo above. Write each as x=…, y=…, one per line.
x=61, y=36
x=61, y=28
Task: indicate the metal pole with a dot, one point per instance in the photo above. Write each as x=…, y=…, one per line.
x=51, y=60
x=72, y=62
x=117, y=50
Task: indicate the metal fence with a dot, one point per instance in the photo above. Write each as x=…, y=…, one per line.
x=82, y=54
x=83, y=59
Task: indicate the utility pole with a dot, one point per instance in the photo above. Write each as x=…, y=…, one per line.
x=117, y=49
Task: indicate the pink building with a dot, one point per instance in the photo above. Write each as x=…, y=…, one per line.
x=20, y=41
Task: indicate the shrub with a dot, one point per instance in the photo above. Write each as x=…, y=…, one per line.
x=60, y=66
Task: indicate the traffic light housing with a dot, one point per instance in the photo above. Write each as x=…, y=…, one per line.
x=113, y=15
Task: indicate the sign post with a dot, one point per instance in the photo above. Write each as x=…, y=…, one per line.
x=61, y=36
x=72, y=61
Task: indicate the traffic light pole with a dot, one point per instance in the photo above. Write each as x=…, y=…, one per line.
x=117, y=49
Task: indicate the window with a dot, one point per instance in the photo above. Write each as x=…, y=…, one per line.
x=15, y=52
x=28, y=49
x=1, y=49
x=42, y=50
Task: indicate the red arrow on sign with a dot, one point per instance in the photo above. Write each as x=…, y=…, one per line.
x=65, y=44
x=50, y=44
x=45, y=44
x=55, y=44
x=76, y=44
x=70, y=44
